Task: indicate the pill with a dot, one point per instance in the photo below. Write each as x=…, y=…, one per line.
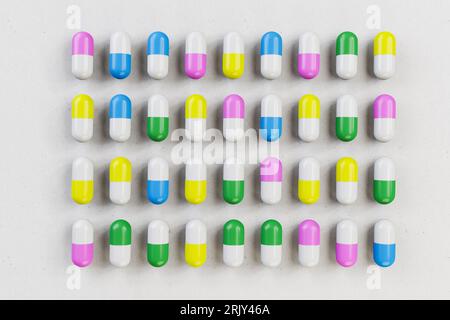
x=346, y=180
x=120, y=55
x=158, y=55
x=158, y=243
x=195, y=183
x=233, y=117
x=271, y=243
x=82, y=117
x=384, y=181
x=120, y=180
x=308, y=59
x=308, y=243
x=195, y=114
x=384, y=50
x=271, y=177
x=82, y=180
x=82, y=55
x=233, y=181
x=157, y=180
x=308, y=180
x=233, y=56
x=346, y=55
x=309, y=118
x=384, y=115
x=346, y=118
x=120, y=243
x=384, y=243
x=82, y=243
x=346, y=243
x=233, y=243
x=195, y=56
x=271, y=51
x=271, y=121
x=195, y=247
x=120, y=118
x=158, y=118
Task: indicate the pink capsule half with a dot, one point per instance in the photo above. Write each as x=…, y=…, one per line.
x=82, y=243
x=82, y=55
x=195, y=56
x=308, y=243
x=308, y=60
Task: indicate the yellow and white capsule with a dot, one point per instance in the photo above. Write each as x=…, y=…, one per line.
x=82, y=117
x=384, y=50
x=309, y=180
x=82, y=180
x=195, y=183
x=309, y=118
x=195, y=117
x=346, y=180
x=233, y=56
x=195, y=246
x=120, y=180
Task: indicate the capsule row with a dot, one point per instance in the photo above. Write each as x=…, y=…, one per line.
x=233, y=112
x=233, y=55
x=233, y=240
x=233, y=180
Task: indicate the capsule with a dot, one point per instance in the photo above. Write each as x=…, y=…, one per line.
x=82, y=117
x=195, y=247
x=120, y=180
x=82, y=180
x=158, y=55
x=195, y=184
x=384, y=51
x=157, y=181
x=120, y=243
x=158, y=243
x=346, y=55
x=195, y=113
x=271, y=51
x=346, y=243
x=308, y=180
x=384, y=115
x=233, y=56
x=120, y=55
x=346, y=118
x=309, y=243
x=309, y=118
x=82, y=55
x=233, y=117
x=233, y=243
x=233, y=181
x=346, y=180
x=82, y=243
x=271, y=243
x=384, y=243
x=120, y=118
x=384, y=181
x=157, y=118
x=308, y=59
x=195, y=56
x=271, y=177
x=271, y=121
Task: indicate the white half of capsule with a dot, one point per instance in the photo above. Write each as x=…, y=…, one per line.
x=271, y=191
x=233, y=43
x=271, y=66
x=120, y=191
x=271, y=106
x=233, y=170
x=384, y=232
x=233, y=256
x=158, y=106
x=346, y=191
x=82, y=169
x=308, y=129
x=346, y=232
x=346, y=107
x=308, y=255
x=120, y=43
x=384, y=129
x=384, y=170
x=271, y=255
x=309, y=43
x=82, y=129
x=158, y=169
x=346, y=66
x=120, y=129
x=82, y=232
x=158, y=232
x=195, y=171
x=195, y=129
x=120, y=255
x=309, y=169
x=82, y=66
x=384, y=66
x=233, y=129
x=195, y=43
x=157, y=66
x=195, y=232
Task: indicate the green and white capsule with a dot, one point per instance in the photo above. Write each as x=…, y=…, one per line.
x=346, y=55
x=346, y=118
x=271, y=243
x=233, y=181
x=120, y=243
x=233, y=243
x=157, y=118
x=384, y=181
x=158, y=243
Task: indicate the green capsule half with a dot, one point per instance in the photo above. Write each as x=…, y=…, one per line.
x=158, y=243
x=347, y=43
x=120, y=243
x=233, y=181
x=157, y=118
x=346, y=118
x=384, y=181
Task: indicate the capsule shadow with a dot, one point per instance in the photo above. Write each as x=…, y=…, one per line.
x=369, y=121
x=369, y=183
x=332, y=182
x=218, y=240
x=370, y=59
x=331, y=50
x=369, y=244
x=332, y=245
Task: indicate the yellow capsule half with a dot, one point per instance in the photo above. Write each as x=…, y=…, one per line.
x=233, y=56
x=309, y=118
x=347, y=170
x=384, y=43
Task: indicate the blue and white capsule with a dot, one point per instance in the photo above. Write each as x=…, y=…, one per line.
x=384, y=243
x=271, y=51
x=120, y=55
x=157, y=181
x=120, y=118
x=271, y=121
x=158, y=55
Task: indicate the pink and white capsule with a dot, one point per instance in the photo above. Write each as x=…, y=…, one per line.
x=308, y=243
x=384, y=115
x=195, y=56
x=271, y=177
x=308, y=60
x=82, y=243
x=346, y=243
x=82, y=55
x=233, y=117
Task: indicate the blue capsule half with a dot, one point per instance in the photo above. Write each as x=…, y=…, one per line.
x=271, y=43
x=120, y=55
x=158, y=43
x=120, y=107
